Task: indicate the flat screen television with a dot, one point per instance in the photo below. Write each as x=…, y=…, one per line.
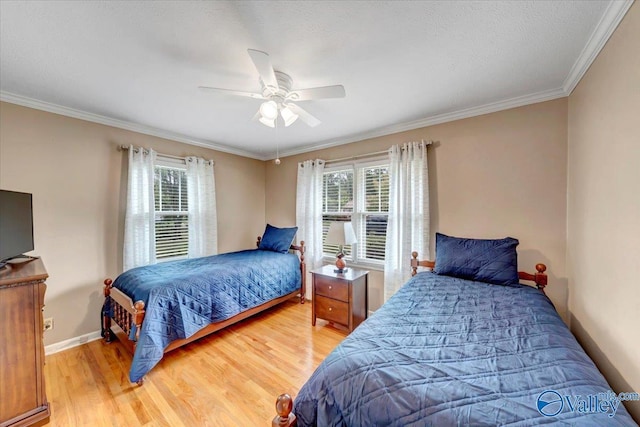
x=16, y=224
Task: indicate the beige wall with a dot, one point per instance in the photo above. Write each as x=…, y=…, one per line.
x=497, y=175
x=78, y=180
x=603, y=254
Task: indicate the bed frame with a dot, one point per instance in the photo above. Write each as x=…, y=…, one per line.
x=284, y=402
x=126, y=312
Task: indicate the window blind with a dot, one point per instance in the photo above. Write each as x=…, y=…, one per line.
x=171, y=212
x=337, y=204
x=373, y=212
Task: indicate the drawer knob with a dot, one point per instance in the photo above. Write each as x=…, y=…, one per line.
x=330, y=308
x=330, y=287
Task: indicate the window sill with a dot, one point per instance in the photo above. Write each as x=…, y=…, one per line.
x=172, y=258
x=361, y=265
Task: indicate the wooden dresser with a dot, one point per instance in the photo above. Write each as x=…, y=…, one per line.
x=340, y=298
x=23, y=400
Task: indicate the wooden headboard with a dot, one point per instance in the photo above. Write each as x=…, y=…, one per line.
x=539, y=278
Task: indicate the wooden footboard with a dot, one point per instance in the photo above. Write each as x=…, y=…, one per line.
x=127, y=314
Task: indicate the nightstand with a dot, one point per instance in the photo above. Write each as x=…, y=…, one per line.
x=340, y=298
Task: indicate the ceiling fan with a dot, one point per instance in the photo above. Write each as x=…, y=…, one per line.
x=278, y=95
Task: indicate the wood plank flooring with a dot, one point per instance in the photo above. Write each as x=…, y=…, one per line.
x=230, y=378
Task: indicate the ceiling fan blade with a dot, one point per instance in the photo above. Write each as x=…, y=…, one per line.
x=304, y=115
x=265, y=69
x=232, y=92
x=324, y=92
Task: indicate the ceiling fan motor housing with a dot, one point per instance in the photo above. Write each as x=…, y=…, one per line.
x=282, y=93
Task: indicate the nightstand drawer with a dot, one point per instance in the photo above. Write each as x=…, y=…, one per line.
x=330, y=309
x=332, y=288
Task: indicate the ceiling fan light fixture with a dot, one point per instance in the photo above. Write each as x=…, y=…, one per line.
x=288, y=116
x=269, y=110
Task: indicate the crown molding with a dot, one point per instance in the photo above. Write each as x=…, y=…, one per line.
x=612, y=17
x=615, y=12
x=121, y=124
x=434, y=120
x=606, y=26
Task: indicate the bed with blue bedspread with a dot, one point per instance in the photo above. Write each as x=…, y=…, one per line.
x=449, y=351
x=182, y=298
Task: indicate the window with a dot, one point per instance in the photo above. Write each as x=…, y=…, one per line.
x=373, y=212
x=360, y=194
x=337, y=204
x=171, y=212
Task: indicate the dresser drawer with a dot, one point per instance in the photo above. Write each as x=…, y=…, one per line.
x=330, y=309
x=332, y=288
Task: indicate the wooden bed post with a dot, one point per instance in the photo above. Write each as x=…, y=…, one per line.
x=415, y=263
x=106, y=319
x=138, y=317
x=539, y=277
x=284, y=405
x=303, y=271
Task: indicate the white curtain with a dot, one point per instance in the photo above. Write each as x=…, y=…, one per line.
x=139, y=222
x=408, y=226
x=309, y=210
x=203, y=220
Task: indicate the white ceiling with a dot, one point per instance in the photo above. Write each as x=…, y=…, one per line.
x=137, y=64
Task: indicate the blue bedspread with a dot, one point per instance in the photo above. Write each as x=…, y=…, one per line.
x=182, y=297
x=446, y=352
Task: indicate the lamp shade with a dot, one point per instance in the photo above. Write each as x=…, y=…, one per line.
x=341, y=233
x=269, y=110
x=267, y=122
x=288, y=116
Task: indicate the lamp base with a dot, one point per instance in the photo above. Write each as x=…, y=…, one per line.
x=340, y=270
x=341, y=265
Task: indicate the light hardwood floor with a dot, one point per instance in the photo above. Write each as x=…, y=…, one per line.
x=229, y=378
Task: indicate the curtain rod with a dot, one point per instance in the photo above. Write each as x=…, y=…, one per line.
x=360, y=156
x=364, y=156
x=126, y=148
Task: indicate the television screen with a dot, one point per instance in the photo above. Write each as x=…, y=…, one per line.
x=16, y=224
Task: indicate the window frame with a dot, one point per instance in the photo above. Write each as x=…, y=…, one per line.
x=350, y=250
x=358, y=212
x=170, y=163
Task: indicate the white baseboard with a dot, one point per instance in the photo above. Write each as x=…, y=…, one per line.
x=83, y=339
x=71, y=342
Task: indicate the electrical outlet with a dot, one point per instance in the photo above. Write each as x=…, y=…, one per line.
x=48, y=324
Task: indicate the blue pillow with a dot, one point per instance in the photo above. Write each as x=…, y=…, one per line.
x=484, y=260
x=277, y=239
